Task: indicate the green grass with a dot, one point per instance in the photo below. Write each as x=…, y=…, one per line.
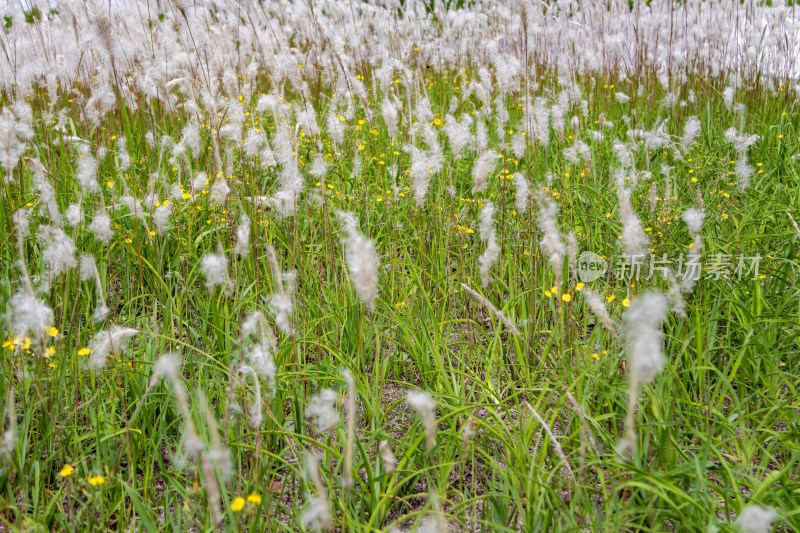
x=717, y=430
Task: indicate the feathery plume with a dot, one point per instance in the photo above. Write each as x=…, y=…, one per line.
x=523, y=191
x=756, y=519
x=551, y=243
x=243, y=236
x=108, y=342
x=556, y=446
x=424, y=405
x=643, y=322
x=362, y=261
x=598, y=307
x=59, y=251
x=389, y=461
x=29, y=316
x=482, y=169
x=215, y=270
x=101, y=226
x=281, y=302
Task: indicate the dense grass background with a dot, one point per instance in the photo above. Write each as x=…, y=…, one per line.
x=717, y=430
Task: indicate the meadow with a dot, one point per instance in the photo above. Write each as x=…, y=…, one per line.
x=399, y=266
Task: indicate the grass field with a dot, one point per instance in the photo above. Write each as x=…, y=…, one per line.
x=324, y=292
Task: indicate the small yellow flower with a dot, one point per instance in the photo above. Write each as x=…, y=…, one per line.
x=96, y=480
x=554, y=290
x=579, y=286
x=66, y=471
x=626, y=302
x=254, y=498
x=595, y=355
x=547, y=293
x=566, y=297
x=53, y=332
x=84, y=351
x=237, y=504
x=611, y=298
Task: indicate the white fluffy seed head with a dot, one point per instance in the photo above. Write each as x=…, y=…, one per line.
x=108, y=342
x=101, y=227
x=260, y=358
x=215, y=269
x=100, y=314
x=388, y=458
x=88, y=267
x=643, y=323
x=482, y=169
x=59, y=251
x=87, y=170
x=219, y=191
x=690, y=132
x=280, y=305
x=161, y=217
x=756, y=519
x=458, y=134
x=315, y=514
x=598, y=307
x=634, y=240
x=487, y=221
x=488, y=259
x=694, y=220
x=167, y=366
x=423, y=403
x=551, y=242
x=362, y=260
x=322, y=410
x=74, y=215
x=21, y=220
x=29, y=316
x=243, y=236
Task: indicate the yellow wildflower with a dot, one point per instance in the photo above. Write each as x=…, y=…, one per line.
x=237, y=504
